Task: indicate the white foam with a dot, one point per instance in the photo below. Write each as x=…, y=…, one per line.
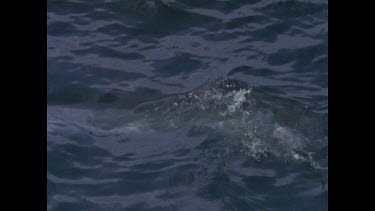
x=238, y=99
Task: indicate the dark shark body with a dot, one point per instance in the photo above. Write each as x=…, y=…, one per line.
x=227, y=110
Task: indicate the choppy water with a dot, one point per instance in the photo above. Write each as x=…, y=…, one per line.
x=187, y=105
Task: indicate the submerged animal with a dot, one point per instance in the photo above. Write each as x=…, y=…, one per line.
x=225, y=108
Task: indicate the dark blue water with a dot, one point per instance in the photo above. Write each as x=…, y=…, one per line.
x=187, y=105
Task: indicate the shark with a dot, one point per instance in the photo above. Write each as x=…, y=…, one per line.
x=246, y=121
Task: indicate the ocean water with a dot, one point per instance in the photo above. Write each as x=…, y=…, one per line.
x=187, y=105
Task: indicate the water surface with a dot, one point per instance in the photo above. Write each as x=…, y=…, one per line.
x=187, y=105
